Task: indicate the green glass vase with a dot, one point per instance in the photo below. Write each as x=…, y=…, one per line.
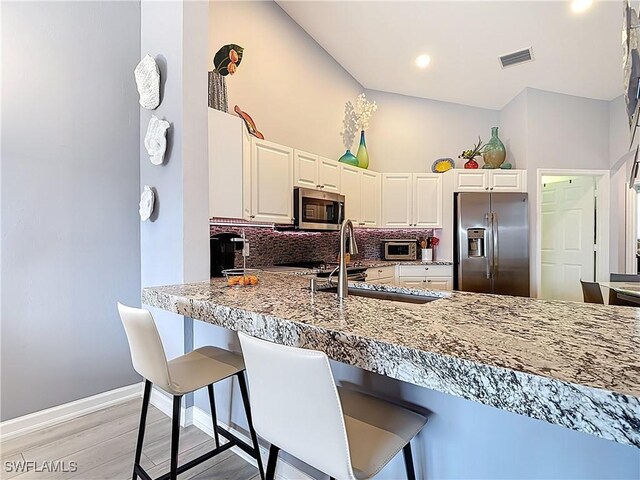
x=349, y=158
x=494, y=153
x=362, y=154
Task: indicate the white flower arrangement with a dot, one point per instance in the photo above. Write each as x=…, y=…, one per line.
x=349, y=128
x=364, y=111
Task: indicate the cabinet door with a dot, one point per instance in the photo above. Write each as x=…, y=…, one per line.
x=369, y=199
x=439, y=283
x=246, y=175
x=271, y=182
x=427, y=200
x=351, y=189
x=329, y=175
x=417, y=282
x=471, y=181
x=507, y=181
x=305, y=169
x=396, y=199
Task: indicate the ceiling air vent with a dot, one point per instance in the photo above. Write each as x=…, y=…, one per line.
x=515, y=58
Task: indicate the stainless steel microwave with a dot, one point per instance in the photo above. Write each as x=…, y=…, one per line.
x=399, y=249
x=317, y=210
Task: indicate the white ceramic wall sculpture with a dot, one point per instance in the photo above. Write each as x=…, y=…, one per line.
x=147, y=201
x=147, y=76
x=155, y=141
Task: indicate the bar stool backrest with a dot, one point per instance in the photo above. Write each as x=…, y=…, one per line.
x=147, y=352
x=295, y=404
x=591, y=292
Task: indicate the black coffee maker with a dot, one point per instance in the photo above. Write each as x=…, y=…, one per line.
x=223, y=252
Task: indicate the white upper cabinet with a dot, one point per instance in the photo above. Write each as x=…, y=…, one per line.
x=352, y=190
x=329, y=175
x=412, y=200
x=397, y=195
x=305, y=169
x=369, y=199
x=313, y=171
x=508, y=181
x=427, y=200
x=483, y=180
x=271, y=182
x=229, y=155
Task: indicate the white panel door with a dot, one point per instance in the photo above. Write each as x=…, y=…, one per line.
x=568, y=225
x=471, y=180
x=369, y=199
x=507, y=181
x=427, y=200
x=329, y=175
x=351, y=189
x=396, y=199
x=305, y=170
x=271, y=182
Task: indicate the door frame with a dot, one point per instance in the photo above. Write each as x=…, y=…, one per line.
x=631, y=226
x=603, y=220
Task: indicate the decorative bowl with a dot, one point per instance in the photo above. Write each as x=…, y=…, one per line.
x=242, y=277
x=442, y=165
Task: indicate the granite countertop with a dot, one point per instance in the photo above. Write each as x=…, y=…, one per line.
x=388, y=263
x=571, y=364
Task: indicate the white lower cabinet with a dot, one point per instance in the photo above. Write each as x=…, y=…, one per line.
x=381, y=275
x=438, y=277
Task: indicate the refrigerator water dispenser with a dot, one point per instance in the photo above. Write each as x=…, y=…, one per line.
x=475, y=237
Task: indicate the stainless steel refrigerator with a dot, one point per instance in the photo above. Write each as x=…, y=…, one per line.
x=492, y=243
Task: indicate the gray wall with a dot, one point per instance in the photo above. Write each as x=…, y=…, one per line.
x=70, y=176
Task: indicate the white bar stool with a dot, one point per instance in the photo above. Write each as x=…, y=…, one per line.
x=298, y=408
x=202, y=367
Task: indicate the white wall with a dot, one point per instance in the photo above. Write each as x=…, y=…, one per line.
x=619, y=138
x=514, y=130
x=70, y=225
x=291, y=87
x=407, y=134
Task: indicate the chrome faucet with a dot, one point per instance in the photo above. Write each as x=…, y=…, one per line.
x=343, y=281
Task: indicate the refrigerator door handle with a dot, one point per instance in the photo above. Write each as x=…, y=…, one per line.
x=488, y=256
x=494, y=250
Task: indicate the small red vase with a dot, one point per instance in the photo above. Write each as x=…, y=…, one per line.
x=471, y=164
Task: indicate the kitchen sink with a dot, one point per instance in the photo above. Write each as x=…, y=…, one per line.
x=392, y=296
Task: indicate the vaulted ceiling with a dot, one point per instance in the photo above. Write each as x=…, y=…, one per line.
x=378, y=42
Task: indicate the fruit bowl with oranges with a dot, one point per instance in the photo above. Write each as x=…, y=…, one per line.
x=241, y=277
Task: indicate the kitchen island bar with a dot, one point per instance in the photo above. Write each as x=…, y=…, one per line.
x=571, y=364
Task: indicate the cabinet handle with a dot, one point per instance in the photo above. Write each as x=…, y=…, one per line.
x=491, y=188
x=486, y=188
x=426, y=268
x=379, y=271
x=318, y=186
x=252, y=216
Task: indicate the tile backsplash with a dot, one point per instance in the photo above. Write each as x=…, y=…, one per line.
x=270, y=247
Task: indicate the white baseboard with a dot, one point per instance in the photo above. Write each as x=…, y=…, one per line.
x=67, y=411
x=284, y=470
x=164, y=403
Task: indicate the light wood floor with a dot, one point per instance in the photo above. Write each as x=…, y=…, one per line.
x=102, y=444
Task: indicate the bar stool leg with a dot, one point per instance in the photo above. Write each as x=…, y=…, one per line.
x=271, y=462
x=175, y=437
x=247, y=409
x=143, y=420
x=214, y=417
x=408, y=462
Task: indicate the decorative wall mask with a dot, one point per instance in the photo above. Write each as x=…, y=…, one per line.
x=147, y=76
x=147, y=202
x=248, y=121
x=155, y=141
x=227, y=59
x=225, y=62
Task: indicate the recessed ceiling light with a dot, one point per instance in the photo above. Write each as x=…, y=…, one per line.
x=423, y=61
x=579, y=6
